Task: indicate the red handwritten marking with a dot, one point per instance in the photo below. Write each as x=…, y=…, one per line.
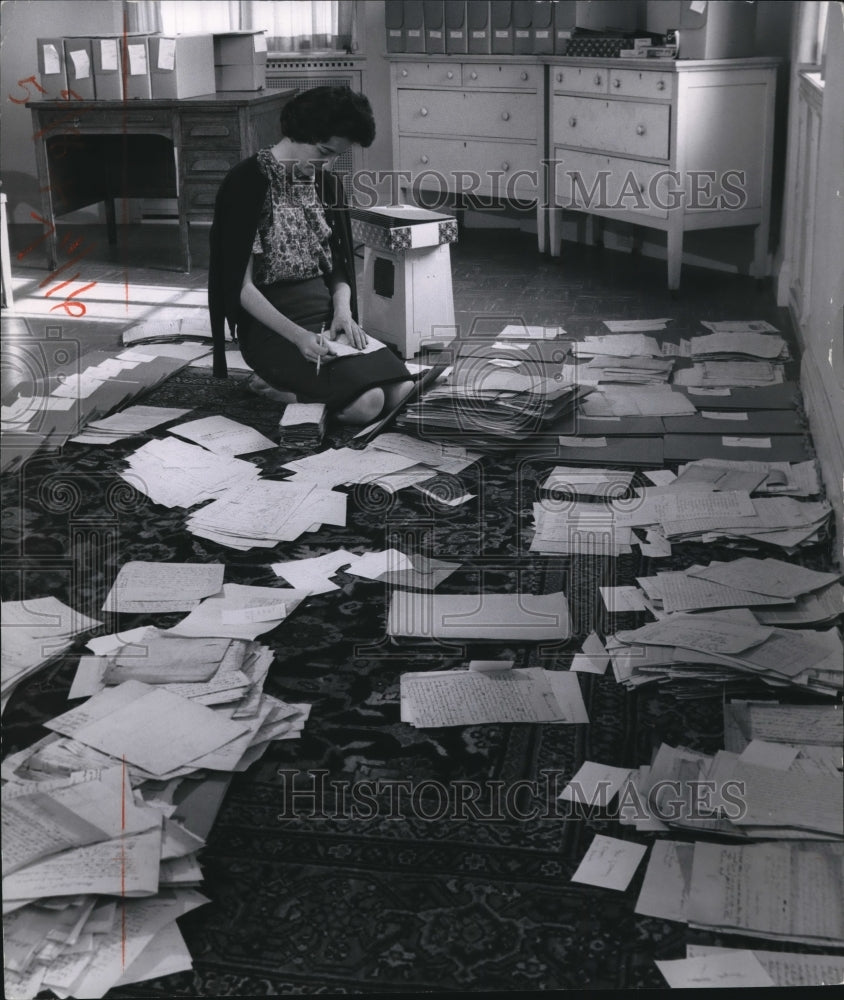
x=69, y=302
x=22, y=253
x=67, y=263
x=22, y=84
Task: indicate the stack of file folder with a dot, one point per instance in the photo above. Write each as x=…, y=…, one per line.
x=302, y=425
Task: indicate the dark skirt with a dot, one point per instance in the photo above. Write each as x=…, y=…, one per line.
x=280, y=363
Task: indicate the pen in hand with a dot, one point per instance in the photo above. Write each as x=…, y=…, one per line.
x=319, y=344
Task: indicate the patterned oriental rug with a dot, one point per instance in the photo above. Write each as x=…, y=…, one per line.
x=349, y=861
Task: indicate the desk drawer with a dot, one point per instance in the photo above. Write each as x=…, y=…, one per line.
x=428, y=75
x=199, y=198
x=628, y=127
x=580, y=79
x=476, y=166
x=498, y=116
x=641, y=83
x=211, y=130
x=86, y=119
x=487, y=75
x=200, y=163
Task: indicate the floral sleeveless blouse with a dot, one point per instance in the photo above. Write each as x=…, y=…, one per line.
x=293, y=239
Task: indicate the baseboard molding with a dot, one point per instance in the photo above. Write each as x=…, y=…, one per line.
x=824, y=402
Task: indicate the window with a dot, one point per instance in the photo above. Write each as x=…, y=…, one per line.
x=291, y=25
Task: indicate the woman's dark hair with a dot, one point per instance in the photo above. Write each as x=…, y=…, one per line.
x=316, y=115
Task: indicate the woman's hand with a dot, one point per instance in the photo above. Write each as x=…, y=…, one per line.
x=343, y=323
x=313, y=346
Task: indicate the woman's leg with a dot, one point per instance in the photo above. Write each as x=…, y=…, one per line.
x=363, y=409
x=395, y=392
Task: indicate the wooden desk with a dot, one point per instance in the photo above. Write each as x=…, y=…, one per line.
x=92, y=151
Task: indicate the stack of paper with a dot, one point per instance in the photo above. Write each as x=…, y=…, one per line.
x=341, y=466
x=131, y=422
x=708, y=965
x=774, y=478
x=776, y=891
x=176, y=474
x=590, y=482
x=637, y=401
x=490, y=407
x=745, y=344
x=578, y=528
x=92, y=891
x=730, y=373
x=490, y=691
x=720, y=645
x=813, y=734
x=263, y=513
x=618, y=345
x=303, y=424
x=33, y=632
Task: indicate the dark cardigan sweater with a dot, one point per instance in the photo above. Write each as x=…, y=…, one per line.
x=237, y=211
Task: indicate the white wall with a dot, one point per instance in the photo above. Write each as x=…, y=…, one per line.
x=21, y=23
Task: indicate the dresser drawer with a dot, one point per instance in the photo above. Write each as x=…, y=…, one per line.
x=211, y=131
x=580, y=79
x=477, y=166
x=488, y=75
x=498, y=116
x=85, y=119
x=428, y=74
x=641, y=83
x=628, y=127
x=598, y=183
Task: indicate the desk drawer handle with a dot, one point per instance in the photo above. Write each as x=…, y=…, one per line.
x=423, y=158
x=404, y=72
x=616, y=82
x=572, y=121
x=597, y=79
x=560, y=78
x=660, y=84
x=505, y=116
x=640, y=130
x=523, y=76
x=473, y=75
x=210, y=130
x=450, y=74
x=505, y=166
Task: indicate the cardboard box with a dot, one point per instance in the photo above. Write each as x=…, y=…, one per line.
x=240, y=48
x=137, y=75
x=182, y=65
x=108, y=81
x=243, y=77
x=51, y=68
x=79, y=68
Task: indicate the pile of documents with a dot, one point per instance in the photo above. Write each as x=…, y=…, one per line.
x=721, y=645
x=490, y=691
x=131, y=422
x=779, y=891
x=94, y=878
x=630, y=358
x=35, y=631
x=798, y=479
x=302, y=425
x=223, y=436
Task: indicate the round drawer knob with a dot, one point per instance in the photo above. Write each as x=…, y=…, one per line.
x=640, y=130
x=572, y=121
x=559, y=78
x=597, y=79
x=616, y=82
x=473, y=75
x=505, y=165
x=423, y=112
x=505, y=116
x=404, y=72
x=524, y=76
x=660, y=84
x=450, y=74
x=424, y=159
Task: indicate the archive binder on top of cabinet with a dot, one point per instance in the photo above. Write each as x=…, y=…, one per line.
x=79, y=68
x=501, y=27
x=455, y=27
x=477, y=27
x=394, y=20
x=541, y=27
x=413, y=26
x=433, y=12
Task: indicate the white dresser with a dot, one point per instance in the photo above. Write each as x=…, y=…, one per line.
x=469, y=125
x=676, y=146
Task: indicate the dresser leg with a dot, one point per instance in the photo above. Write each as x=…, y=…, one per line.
x=760, y=250
x=675, y=256
x=555, y=230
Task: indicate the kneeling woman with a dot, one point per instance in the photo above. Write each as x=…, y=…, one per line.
x=281, y=271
